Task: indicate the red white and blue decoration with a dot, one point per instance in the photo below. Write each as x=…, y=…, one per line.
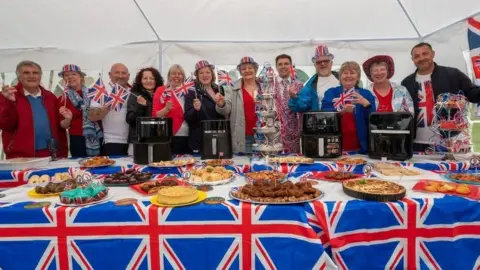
x=118, y=98
x=187, y=85
x=98, y=93
x=473, y=35
x=224, y=78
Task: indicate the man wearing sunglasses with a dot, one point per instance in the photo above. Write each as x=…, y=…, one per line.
x=311, y=95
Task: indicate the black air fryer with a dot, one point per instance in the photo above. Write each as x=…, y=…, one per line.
x=390, y=136
x=321, y=135
x=216, y=140
x=153, y=140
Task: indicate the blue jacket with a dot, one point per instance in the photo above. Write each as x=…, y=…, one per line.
x=361, y=113
x=307, y=98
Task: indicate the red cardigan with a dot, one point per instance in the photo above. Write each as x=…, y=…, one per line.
x=16, y=123
x=176, y=113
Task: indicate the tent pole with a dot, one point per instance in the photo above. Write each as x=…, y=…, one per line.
x=409, y=18
x=444, y=27
x=146, y=19
x=160, y=56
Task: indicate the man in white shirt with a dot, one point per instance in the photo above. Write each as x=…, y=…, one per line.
x=115, y=128
x=310, y=97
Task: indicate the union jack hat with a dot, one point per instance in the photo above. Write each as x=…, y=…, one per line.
x=378, y=59
x=201, y=64
x=321, y=50
x=247, y=60
x=72, y=68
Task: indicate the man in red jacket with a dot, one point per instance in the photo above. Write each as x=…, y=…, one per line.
x=30, y=116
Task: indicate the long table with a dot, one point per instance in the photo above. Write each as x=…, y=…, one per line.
x=422, y=231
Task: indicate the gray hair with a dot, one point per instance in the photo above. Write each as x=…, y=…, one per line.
x=27, y=63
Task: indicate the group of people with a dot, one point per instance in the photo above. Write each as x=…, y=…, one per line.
x=31, y=116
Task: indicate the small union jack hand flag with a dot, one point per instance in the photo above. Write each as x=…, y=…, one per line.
x=185, y=86
x=293, y=72
x=118, y=98
x=224, y=79
x=98, y=93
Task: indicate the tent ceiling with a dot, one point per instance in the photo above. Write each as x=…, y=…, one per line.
x=100, y=24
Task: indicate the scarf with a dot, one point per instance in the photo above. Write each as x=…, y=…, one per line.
x=91, y=130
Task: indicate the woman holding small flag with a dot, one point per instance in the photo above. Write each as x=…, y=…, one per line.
x=169, y=101
x=355, y=105
x=139, y=102
x=201, y=102
x=86, y=137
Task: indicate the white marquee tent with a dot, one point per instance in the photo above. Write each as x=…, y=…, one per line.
x=96, y=33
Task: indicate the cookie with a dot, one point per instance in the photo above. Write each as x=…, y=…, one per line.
x=205, y=188
x=214, y=200
x=125, y=202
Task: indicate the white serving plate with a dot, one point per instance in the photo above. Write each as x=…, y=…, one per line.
x=422, y=174
x=16, y=164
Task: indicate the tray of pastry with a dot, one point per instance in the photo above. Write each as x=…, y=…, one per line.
x=448, y=188
x=180, y=162
x=374, y=189
x=152, y=187
x=129, y=177
x=210, y=175
x=276, y=193
x=350, y=161
x=96, y=162
x=464, y=178
x=265, y=176
x=332, y=176
x=218, y=162
x=291, y=160
x=51, y=189
x=389, y=171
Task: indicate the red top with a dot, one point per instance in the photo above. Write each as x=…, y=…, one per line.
x=384, y=102
x=350, y=140
x=249, y=110
x=16, y=123
x=176, y=113
x=76, y=126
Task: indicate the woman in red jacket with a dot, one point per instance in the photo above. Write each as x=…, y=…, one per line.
x=169, y=101
x=86, y=137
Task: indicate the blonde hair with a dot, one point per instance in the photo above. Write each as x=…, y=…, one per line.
x=352, y=66
x=177, y=66
x=214, y=78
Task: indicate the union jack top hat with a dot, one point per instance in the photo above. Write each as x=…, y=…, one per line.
x=201, y=64
x=72, y=68
x=322, y=50
x=247, y=60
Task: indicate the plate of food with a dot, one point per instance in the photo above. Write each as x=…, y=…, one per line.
x=350, y=161
x=23, y=163
x=178, y=196
x=129, y=177
x=151, y=188
x=448, y=188
x=374, y=190
x=218, y=162
x=96, y=162
x=180, y=162
x=464, y=178
x=291, y=160
x=266, y=176
x=333, y=176
x=210, y=175
x=85, y=195
x=51, y=189
x=276, y=193
x=389, y=171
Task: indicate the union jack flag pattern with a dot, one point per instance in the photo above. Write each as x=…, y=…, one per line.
x=232, y=235
x=98, y=93
x=185, y=86
x=224, y=79
x=345, y=98
x=118, y=98
x=410, y=234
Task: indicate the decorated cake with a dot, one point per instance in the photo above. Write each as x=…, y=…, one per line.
x=177, y=195
x=82, y=195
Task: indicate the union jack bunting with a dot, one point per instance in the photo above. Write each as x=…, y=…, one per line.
x=231, y=235
x=409, y=234
x=98, y=93
x=224, y=79
x=118, y=98
x=185, y=86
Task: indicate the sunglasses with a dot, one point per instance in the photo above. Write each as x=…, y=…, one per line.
x=322, y=62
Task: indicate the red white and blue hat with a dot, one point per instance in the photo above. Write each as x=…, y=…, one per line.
x=71, y=68
x=247, y=60
x=203, y=63
x=321, y=50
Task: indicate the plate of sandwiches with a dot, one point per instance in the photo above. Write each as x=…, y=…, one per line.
x=395, y=171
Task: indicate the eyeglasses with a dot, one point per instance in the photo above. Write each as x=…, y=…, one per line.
x=322, y=62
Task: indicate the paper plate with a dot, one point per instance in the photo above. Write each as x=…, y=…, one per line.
x=201, y=197
x=32, y=193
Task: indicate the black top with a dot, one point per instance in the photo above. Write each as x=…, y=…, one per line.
x=134, y=110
